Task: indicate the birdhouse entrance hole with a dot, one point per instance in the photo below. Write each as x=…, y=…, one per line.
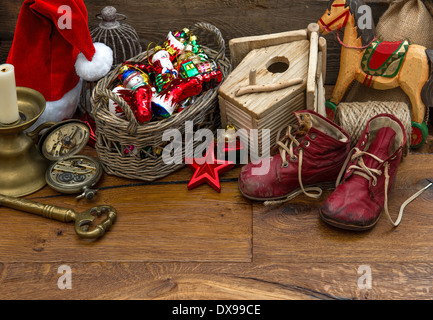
x=278, y=65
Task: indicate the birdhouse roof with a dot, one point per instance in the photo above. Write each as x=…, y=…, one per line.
x=269, y=63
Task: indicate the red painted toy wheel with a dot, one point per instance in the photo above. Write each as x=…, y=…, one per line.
x=330, y=108
x=419, y=135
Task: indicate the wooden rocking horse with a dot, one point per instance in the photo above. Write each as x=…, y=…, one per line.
x=379, y=64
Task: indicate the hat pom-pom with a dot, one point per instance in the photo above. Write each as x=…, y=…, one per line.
x=99, y=66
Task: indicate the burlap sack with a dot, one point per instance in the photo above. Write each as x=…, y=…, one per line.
x=429, y=5
x=404, y=19
x=407, y=19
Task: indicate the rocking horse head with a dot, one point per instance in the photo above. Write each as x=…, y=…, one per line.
x=341, y=13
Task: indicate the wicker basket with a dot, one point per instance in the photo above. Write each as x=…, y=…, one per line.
x=113, y=133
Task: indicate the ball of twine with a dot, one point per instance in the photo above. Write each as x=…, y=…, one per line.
x=353, y=116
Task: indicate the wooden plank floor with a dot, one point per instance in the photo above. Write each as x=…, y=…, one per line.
x=156, y=222
x=171, y=243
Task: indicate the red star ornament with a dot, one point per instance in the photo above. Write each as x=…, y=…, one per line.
x=209, y=171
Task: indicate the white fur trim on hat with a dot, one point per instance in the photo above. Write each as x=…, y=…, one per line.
x=99, y=66
x=62, y=109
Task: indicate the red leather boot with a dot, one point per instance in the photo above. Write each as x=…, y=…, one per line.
x=311, y=157
x=357, y=202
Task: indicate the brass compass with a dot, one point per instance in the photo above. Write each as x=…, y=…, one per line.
x=70, y=173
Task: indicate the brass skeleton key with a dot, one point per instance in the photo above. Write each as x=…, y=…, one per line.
x=83, y=220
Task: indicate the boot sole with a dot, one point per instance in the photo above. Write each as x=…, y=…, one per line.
x=324, y=185
x=347, y=226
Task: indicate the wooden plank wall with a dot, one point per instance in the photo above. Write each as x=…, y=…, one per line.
x=235, y=18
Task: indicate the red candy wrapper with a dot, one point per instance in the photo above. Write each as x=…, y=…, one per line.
x=210, y=80
x=140, y=102
x=165, y=103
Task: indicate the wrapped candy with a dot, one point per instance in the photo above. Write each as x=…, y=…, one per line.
x=140, y=102
x=133, y=79
x=191, y=69
x=136, y=92
x=207, y=66
x=142, y=68
x=194, y=47
x=165, y=103
x=161, y=62
x=175, y=45
x=187, y=56
x=184, y=34
x=182, y=45
x=188, y=69
x=210, y=80
x=163, y=80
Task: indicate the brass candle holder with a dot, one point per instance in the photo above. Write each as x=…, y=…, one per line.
x=22, y=167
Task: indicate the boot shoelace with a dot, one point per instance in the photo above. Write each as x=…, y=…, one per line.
x=371, y=174
x=288, y=149
x=360, y=169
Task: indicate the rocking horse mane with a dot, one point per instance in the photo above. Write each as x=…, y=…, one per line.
x=367, y=35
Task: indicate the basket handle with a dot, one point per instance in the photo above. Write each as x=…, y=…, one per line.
x=101, y=95
x=218, y=36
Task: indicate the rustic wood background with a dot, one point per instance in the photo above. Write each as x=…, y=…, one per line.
x=179, y=244
x=235, y=18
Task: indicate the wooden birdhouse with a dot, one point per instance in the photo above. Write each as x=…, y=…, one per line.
x=274, y=75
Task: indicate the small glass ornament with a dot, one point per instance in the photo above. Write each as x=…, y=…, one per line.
x=229, y=146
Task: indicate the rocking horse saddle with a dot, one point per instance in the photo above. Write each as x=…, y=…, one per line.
x=384, y=58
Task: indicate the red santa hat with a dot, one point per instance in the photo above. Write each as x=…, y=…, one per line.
x=52, y=48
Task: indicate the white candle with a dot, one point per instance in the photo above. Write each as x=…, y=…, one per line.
x=8, y=95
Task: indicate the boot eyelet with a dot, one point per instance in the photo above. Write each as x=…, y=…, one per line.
x=294, y=158
x=306, y=144
x=285, y=165
x=313, y=136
